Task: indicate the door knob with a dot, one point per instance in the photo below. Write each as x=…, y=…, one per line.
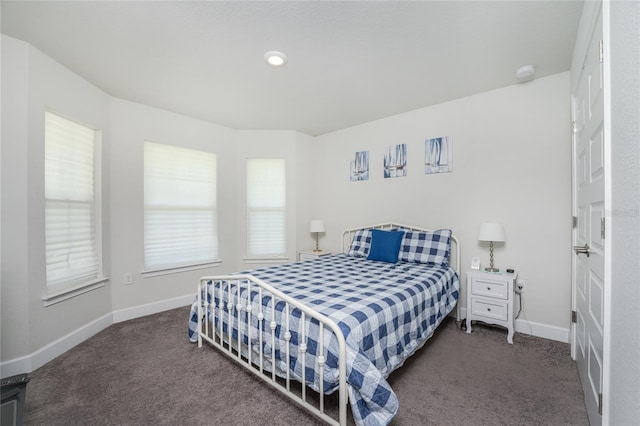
x=582, y=249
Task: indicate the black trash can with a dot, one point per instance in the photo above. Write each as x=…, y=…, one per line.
x=14, y=392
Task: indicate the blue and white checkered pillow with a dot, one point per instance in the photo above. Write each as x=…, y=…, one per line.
x=361, y=243
x=426, y=247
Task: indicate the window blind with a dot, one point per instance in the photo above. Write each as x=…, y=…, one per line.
x=180, y=217
x=72, y=233
x=266, y=207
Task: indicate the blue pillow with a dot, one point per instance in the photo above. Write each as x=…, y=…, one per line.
x=385, y=245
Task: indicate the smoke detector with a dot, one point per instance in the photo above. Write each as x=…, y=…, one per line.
x=525, y=72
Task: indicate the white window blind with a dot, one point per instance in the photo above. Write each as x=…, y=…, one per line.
x=180, y=217
x=266, y=207
x=72, y=239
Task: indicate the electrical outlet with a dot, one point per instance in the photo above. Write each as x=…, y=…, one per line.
x=520, y=286
x=127, y=278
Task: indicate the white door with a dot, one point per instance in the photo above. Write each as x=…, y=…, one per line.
x=588, y=235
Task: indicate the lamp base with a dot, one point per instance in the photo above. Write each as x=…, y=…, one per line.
x=492, y=269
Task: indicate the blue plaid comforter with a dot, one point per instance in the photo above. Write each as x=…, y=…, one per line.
x=385, y=310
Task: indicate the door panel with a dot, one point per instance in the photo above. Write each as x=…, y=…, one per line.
x=588, y=190
x=581, y=335
x=595, y=370
x=596, y=306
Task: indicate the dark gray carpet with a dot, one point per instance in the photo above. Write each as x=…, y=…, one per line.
x=145, y=372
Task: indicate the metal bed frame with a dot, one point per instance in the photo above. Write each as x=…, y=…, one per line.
x=237, y=350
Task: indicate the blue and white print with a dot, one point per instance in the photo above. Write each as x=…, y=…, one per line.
x=395, y=161
x=437, y=155
x=359, y=169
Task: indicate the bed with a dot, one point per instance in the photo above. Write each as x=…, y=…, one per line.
x=336, y=324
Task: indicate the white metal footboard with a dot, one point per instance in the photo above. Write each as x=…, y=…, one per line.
x=239, y=309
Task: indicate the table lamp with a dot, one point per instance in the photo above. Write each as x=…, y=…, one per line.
x=316, y=227
x=492, y=232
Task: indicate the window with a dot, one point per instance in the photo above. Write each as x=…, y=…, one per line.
x=180, y=213
x=266, y=208
x=72, y=204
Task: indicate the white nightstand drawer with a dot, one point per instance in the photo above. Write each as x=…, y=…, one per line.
x=489, y=309
x=486, y=288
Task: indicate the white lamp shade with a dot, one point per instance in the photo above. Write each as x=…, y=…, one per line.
x=316, y=226
x=491, y=232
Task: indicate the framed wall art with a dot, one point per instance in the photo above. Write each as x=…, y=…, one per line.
x=359, y=167
x=437, y=155
x=395, y=161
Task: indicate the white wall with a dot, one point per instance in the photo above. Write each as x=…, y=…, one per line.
x=14, y=292
x=624, y=380
x=511, y=164
x=33, y=334
x=132, y=125
x=273, y=144
x=33, y=82
x=306, y=200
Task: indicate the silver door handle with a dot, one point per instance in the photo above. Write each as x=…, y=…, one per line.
x=582, y=249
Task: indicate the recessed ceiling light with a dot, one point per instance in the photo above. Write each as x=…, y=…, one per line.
x=275, y=58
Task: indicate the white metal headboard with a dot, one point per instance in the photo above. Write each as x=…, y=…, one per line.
x=347, y=237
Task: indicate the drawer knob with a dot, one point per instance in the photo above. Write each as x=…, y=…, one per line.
x=488, y=309
x=489, y=288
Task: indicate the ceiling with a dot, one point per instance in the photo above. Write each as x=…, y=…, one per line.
x=348, y=62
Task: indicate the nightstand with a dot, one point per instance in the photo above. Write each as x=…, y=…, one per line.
x=310, y=254
x=490, y=298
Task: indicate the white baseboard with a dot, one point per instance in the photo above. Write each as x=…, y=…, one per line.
x=152, y=308
x=543, y=330
x=535, y=329
x=15, y=366
x=37, y=359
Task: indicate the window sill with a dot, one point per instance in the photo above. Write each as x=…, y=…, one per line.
x=68, y=293
x=177, y=269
